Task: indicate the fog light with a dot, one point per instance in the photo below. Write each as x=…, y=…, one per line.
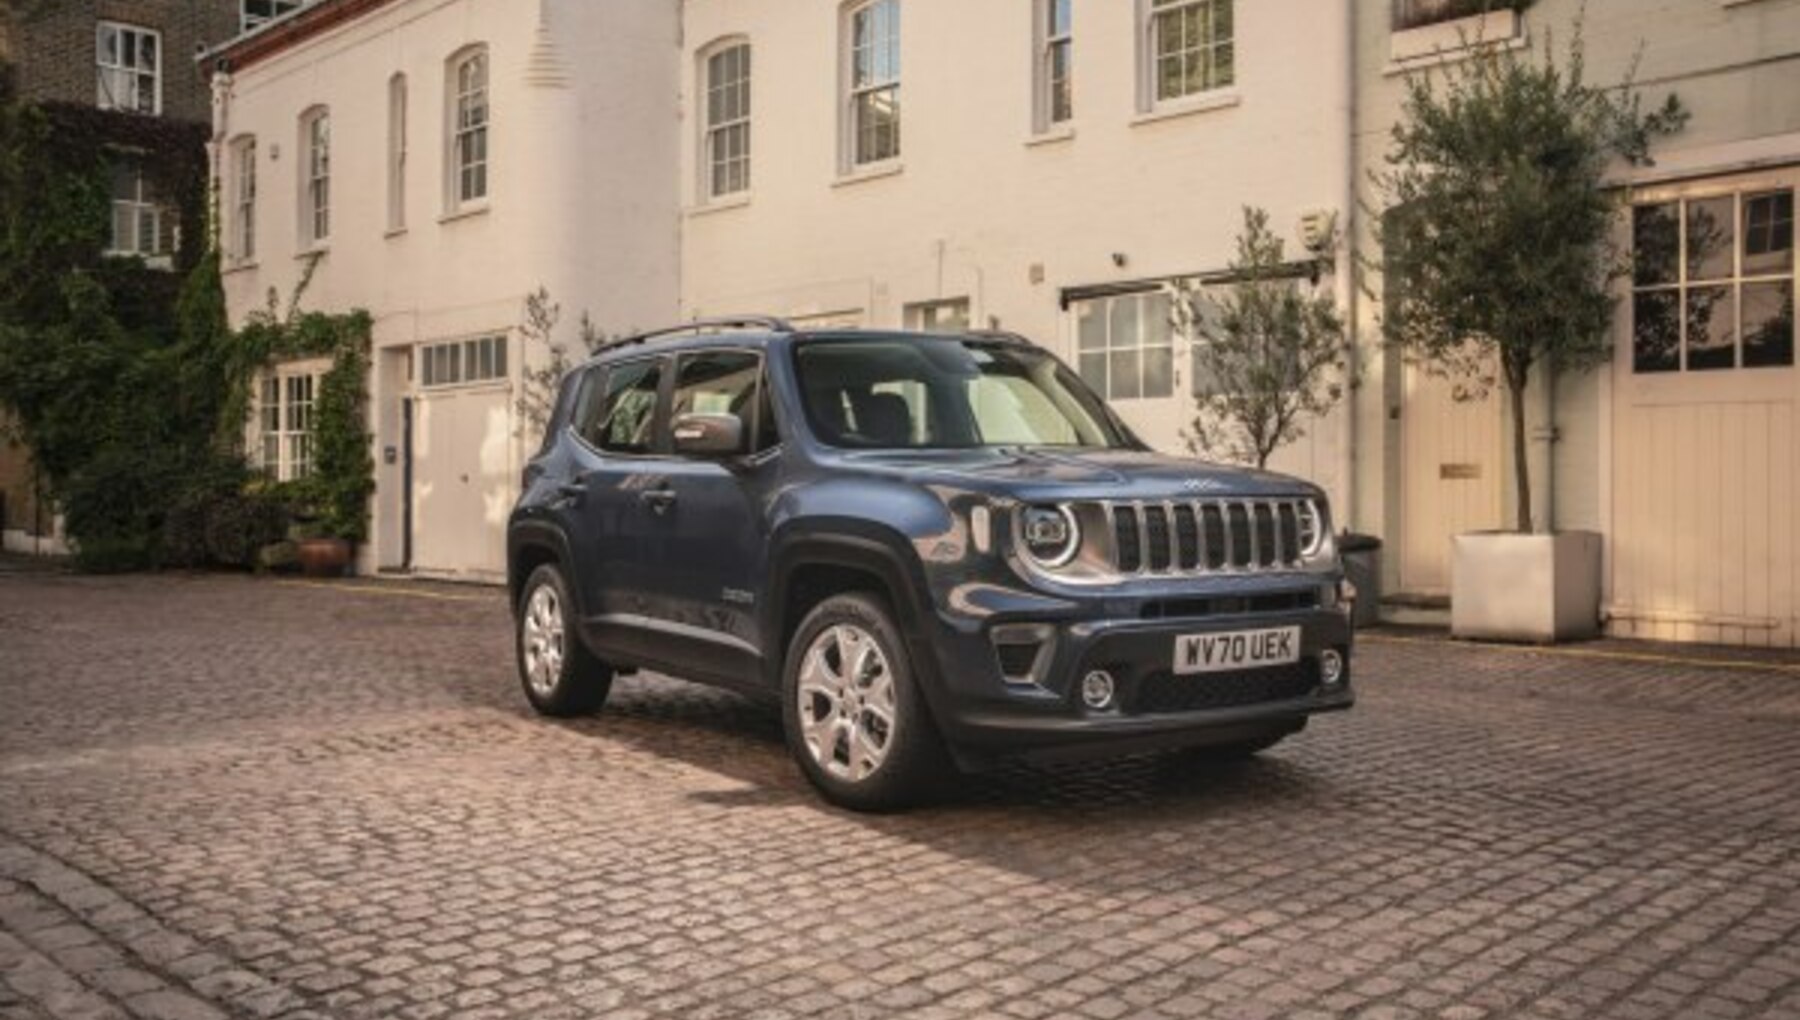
x=1097, y=689
x=1331, y=667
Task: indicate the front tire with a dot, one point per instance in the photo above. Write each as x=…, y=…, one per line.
x=855, y=719
x=560, y=676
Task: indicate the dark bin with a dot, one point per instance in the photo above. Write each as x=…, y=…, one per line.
x=1362, y=564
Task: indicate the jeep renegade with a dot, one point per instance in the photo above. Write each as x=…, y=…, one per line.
x=935, y=550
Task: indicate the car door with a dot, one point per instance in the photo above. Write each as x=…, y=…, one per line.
x=606, y=502
x=711, y=526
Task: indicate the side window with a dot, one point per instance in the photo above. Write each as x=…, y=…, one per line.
x=616, y=409
x=726, y=382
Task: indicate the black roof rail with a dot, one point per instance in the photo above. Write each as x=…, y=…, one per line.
x=768, y=322
x=997, y=334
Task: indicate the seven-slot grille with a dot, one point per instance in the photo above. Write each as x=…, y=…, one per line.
x=1196, y=536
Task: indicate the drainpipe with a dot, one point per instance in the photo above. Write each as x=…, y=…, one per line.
x=1349, y=294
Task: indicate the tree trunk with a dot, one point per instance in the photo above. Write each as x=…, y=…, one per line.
x=1521, y=459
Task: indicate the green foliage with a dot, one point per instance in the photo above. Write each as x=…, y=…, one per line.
x=1497, y=243
x=541, y=377
x=1270, y=356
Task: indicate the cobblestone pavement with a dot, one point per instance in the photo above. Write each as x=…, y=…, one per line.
x=222, y=797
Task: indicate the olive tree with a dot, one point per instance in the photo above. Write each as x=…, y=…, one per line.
x=1268, y=349
x=1496, y=245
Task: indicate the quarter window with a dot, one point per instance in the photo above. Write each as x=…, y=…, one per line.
x=459, y=362
x=1055, y=64
x=1713, y=282
x=1191, y=47
x=725, y=382
x=130, y=68
x=1126, y=345
x=728, y=120
x=469, y=138
x=873, y=115
x=315, y=195
x=621, y=419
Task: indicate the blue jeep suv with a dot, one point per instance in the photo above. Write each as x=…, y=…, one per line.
x=934, y=550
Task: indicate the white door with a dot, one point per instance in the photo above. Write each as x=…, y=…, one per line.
x=1451, y=479
x=1705, y=456
x=464, y=481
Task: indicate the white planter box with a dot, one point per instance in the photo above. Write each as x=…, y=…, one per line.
x=1511, y=587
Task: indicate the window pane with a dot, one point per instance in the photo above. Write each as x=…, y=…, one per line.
x=1710, y=245
x=1656, y=331
x=1090, y=326
x=1711, y=328
x=1059, y=17
x=718, y=382
x=1093, y=370
x=1768, y=324
x=1159, y=372
x=1768, y=234
x=1158, y=326
x=1126, y=381
x=1124, y=323
x=1655, y=243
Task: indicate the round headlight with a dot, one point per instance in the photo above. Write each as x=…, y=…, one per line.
x=1050, y=534
x=1312, y=529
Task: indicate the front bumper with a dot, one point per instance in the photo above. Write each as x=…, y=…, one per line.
x=984, y=712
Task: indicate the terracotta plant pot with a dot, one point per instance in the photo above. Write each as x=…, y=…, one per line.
x=324, y=557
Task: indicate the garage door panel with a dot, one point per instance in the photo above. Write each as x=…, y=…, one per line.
x=464, y=479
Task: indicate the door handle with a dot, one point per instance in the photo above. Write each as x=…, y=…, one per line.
x=570, y=492
x=658, y=500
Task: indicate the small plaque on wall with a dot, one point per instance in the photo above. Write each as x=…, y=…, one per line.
x=1459, y=472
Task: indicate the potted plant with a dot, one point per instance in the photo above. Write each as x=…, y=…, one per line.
x=1498, y=256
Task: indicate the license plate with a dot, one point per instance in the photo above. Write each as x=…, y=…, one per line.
x=1237, y=649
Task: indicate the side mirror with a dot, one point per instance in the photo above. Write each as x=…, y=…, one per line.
x=709, y=435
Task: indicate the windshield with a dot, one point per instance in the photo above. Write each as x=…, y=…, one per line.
x=947, y=393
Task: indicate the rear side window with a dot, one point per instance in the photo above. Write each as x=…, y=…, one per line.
x=616, y=410
x=726, y=382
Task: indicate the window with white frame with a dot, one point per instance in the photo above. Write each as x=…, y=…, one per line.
x=1713, y=282
x=949, y=316
x=142, y=224
x=315, y=176
x=1418, y=13
x=130, y=68
x=396, y=153
x=727, y=87
x=461, y=362
x=872, y=102
x=1190, y=47
x=243, y=200
x=1126, y=344
x=469, y=117
x=257, y=12
x=285, y=417
x=1055, y=63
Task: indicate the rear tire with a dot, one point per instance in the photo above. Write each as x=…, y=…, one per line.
x=560, y=676
x=855, y=719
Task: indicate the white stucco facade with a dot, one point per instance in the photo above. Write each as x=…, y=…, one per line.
x=580, y=200
x=652, y=160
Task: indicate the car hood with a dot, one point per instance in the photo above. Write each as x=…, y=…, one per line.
x=1045, y=474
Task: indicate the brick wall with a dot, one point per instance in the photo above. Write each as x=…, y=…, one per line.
x=53, y=46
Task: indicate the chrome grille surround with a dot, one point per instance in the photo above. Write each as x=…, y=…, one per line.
x=1147, y=538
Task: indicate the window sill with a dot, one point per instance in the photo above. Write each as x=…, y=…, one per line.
x=1447, y=41
x=869, y=172
x=317, y=251
x=1051, y=135
x=721, y=204
x=1205, y=102
x=393, y=232
x=238, y=266
x=466, y=212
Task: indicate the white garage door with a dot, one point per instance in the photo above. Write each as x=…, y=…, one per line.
x=1706, y=462
x=464, y=481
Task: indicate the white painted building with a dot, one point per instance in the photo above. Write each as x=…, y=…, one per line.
x=1043, y=166
x=440, y=160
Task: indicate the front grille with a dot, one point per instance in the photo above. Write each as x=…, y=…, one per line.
x=1164, y=691
x=1230, y=605
x=1185, y=537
